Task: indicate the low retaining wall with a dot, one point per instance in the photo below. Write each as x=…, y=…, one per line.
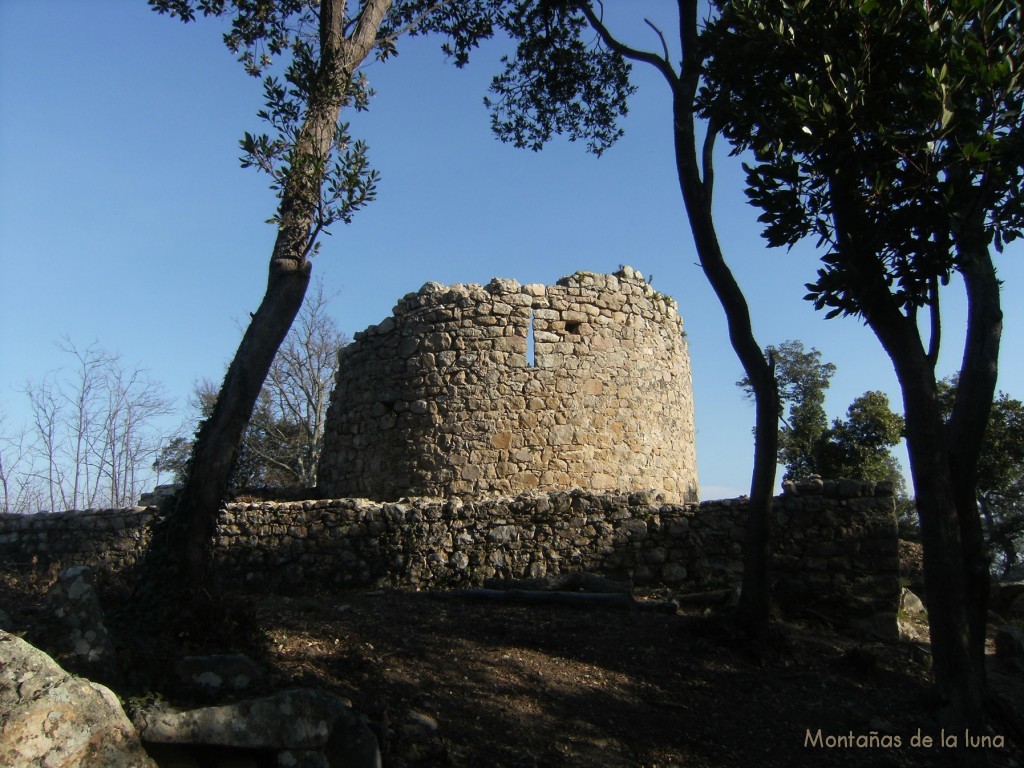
x=109, y=539
x=834, y=543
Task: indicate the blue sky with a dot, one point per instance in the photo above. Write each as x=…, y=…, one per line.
x=126, y=219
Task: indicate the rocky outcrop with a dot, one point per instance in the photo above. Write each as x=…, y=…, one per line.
x=911, y=604
x=51, y=718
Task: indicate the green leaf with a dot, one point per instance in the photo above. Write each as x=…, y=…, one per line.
x=947, y=116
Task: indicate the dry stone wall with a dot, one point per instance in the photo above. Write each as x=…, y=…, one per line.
x=111, y=539
x=835, y=543
x=468, y=390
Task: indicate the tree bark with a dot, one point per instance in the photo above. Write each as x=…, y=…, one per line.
x=753, y=610
x=193, y=520
x=959, y=679
x=217, y=443
x=958, y=676
x=969, y=421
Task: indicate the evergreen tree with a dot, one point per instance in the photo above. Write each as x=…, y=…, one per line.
x=859, y=447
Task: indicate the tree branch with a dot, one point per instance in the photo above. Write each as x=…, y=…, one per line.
x=935, y=335
x=662, y=65
x=417, y=21
x=364, y=36
x=661, y=36
x=707, y=159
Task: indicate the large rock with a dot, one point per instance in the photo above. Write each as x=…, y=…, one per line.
x=51, y=718
x=316, y=725
x=911, y=604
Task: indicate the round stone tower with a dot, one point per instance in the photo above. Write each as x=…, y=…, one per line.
x=468, y=390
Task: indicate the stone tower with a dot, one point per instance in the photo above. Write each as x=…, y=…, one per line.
x=468, y=390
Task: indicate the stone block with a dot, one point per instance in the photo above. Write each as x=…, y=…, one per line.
x=52, y=718
x=501, y=285
x=561, y=435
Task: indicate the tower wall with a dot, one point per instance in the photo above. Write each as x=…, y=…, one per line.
x=469, y=390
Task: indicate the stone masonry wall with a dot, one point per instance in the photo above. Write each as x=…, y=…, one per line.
x=443, y=399
x=111, y=539
x=835, y=543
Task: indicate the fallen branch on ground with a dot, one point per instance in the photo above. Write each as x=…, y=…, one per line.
x=546, y=597
x=563, y=582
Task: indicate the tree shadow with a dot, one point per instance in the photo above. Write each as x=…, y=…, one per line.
x=597, y=687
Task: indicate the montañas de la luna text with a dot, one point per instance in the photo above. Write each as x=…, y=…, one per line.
x=876, y=740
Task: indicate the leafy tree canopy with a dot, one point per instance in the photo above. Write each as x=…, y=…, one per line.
x=263, y=31
x=802, y=380
x=560, y=81
x=1001, y=464
x=1000, y=475
x=859, y=446
x=915, y=104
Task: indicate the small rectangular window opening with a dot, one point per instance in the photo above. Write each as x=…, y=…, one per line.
x=531, y=352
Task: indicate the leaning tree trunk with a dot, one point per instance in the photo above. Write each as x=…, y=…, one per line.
x=189, y=534
x=218, y=441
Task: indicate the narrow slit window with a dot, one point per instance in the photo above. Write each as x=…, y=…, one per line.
x=531, y=352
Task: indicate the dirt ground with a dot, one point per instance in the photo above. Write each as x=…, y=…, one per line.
x=455, y=682
x=539, y=686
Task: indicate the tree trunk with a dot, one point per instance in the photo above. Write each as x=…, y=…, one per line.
x=695, y=183
x=969, y=421
x=753, y=609
x=958, y=675
x=959, y=679
x=189, y=533
x=217, y=443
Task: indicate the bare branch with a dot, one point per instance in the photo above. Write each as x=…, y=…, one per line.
x=661, y=36
x=662, y=65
